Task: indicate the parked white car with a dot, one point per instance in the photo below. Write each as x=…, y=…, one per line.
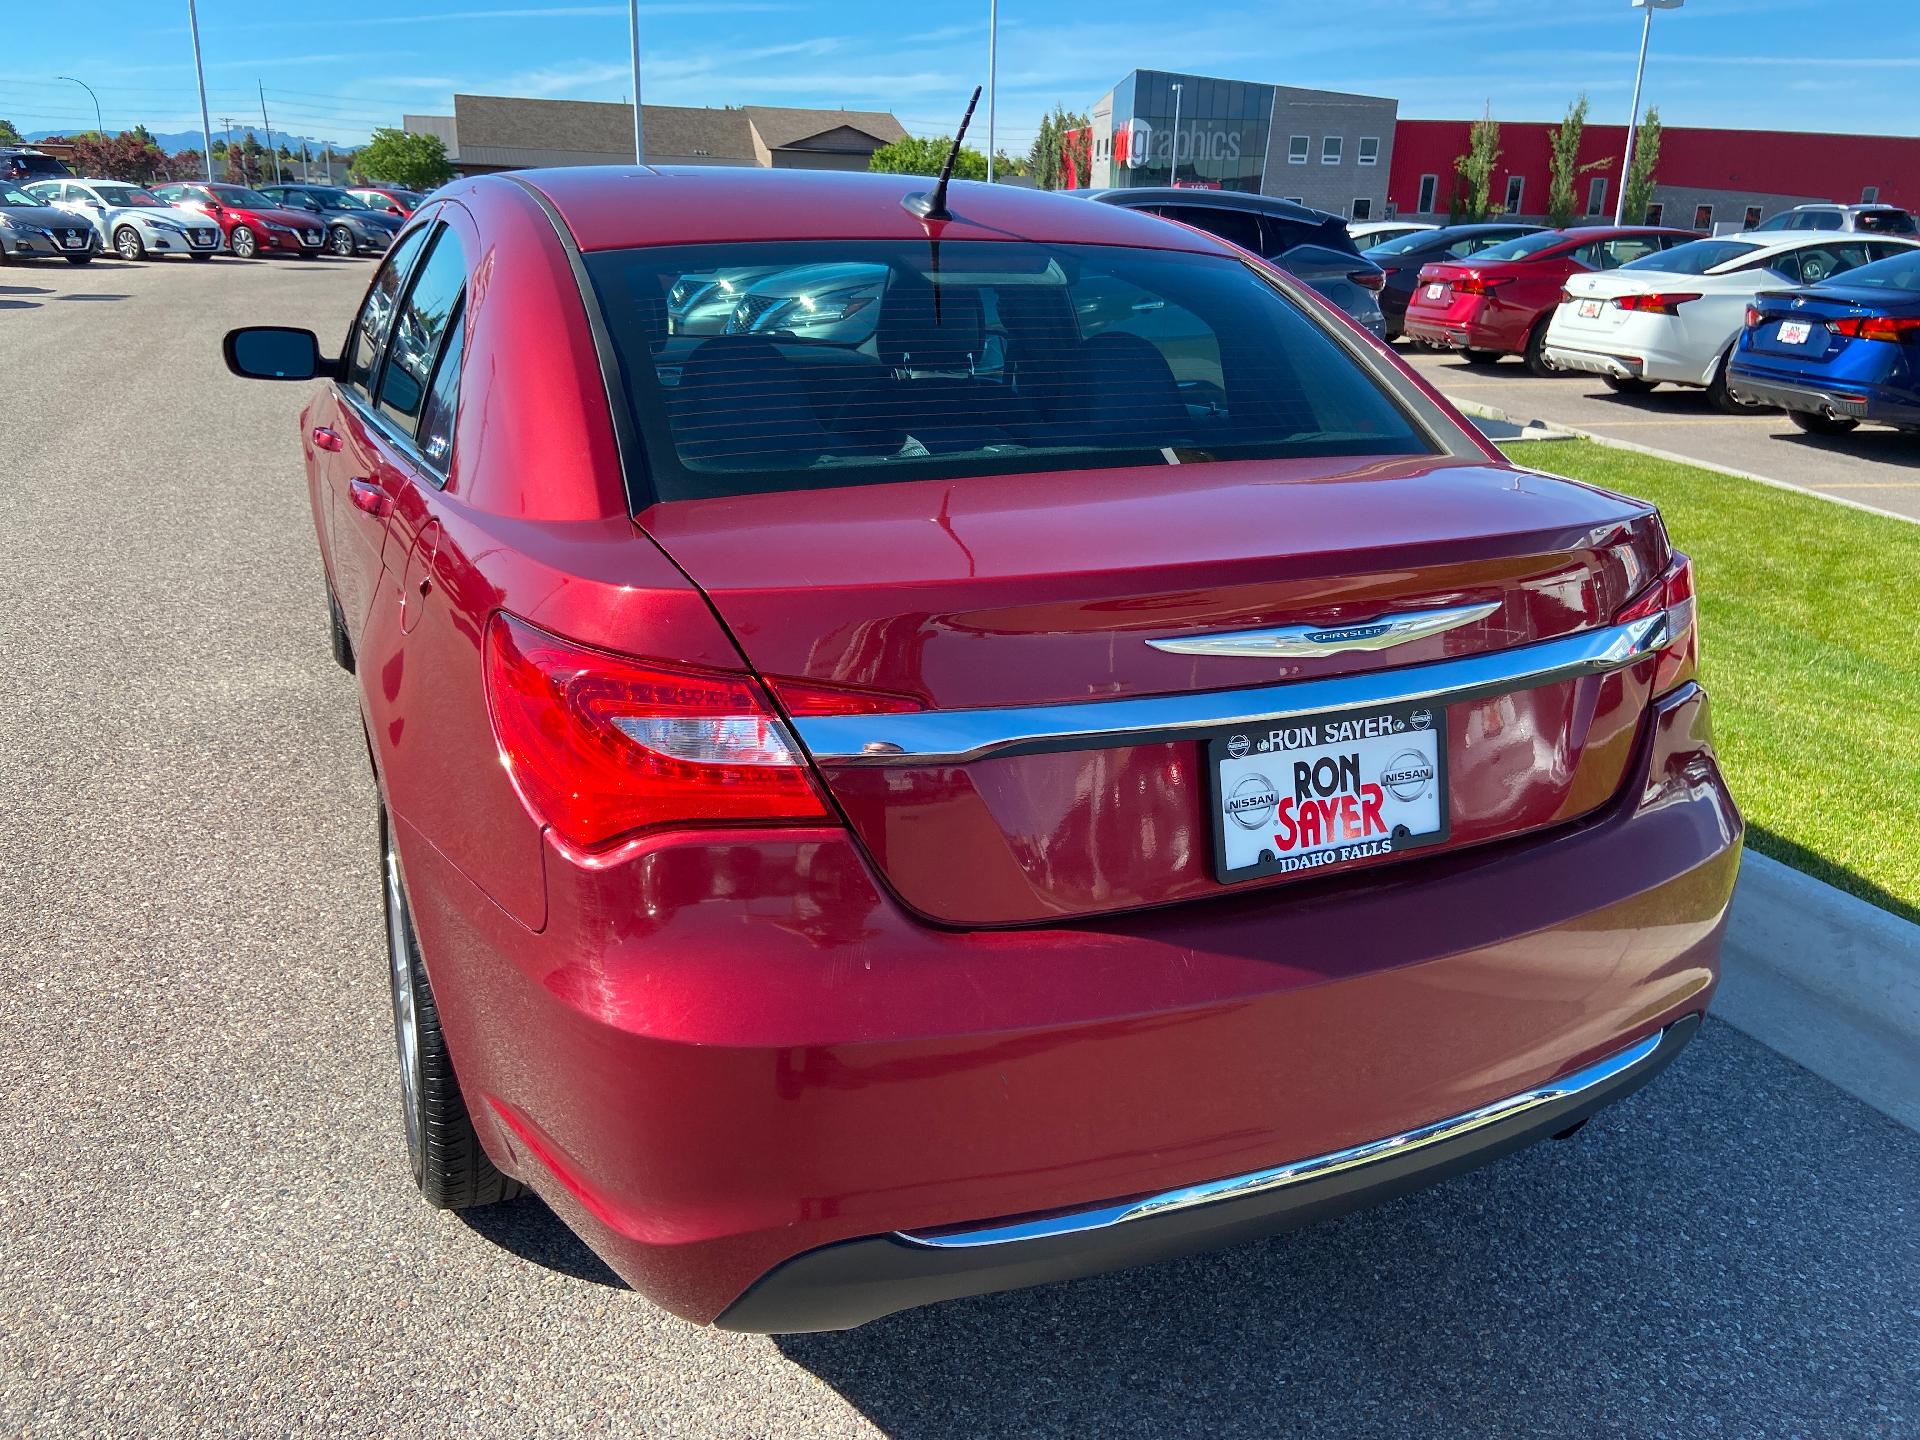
x=1673, y=317
x=131, y=221
x=1378, y=232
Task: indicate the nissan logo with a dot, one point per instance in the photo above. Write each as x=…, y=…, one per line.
x=1250, y=806
x=1407, y=775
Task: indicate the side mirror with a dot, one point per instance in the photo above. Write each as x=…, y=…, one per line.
x=274, y=352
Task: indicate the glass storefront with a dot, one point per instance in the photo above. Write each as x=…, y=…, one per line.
x=1221, y=142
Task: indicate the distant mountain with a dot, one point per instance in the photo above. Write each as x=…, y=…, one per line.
x=172, y=140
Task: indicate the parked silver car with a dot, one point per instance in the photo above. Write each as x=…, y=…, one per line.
x=130, y=220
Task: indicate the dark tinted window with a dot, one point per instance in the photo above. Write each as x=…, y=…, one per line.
x=1696, y=257
x=436, y=426
x=1885, y=222
x=424, y=315
x=1902, y=272
x=1239, y=227
x=1522, y=247
x=860, y=362
x=369, y=331
x=1811, y=264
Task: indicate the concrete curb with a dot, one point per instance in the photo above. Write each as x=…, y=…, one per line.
x=1488, y=412
x=1826, y=980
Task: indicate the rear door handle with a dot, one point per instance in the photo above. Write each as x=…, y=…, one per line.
x=325, y=438
x=369, y=497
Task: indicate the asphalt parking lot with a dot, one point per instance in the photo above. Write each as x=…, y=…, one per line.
x=208, y=1224
x=1874, y=465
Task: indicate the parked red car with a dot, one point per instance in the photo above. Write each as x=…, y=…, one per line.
x=1501, y=301
x=1032, y=746
x=252, y=223
x=393, y=199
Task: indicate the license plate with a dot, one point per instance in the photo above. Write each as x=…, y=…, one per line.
x=76, y=242
x=1295, y=795
x=1794, y=332
x=1589, y=309
x=1436, y=289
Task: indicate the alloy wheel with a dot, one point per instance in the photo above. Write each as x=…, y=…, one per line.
x=126, y=240
x=242, y=242
x=341, y=242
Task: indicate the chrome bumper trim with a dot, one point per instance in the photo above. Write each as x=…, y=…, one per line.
x=1238, y=1186
x=954, y=737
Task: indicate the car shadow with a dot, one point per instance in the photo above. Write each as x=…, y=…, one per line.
x=24, y=290
x=90, y=295
x=19, y=304
x=1790, y=852
x=1606, y=1286
x=1883, y=447
x=527, y=1228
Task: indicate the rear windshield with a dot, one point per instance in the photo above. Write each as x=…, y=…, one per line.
x=1898, y=272
x=1696, y=257
x=1887, y=222
x=1522, y=246
x=805, y=365
x=1400, y=244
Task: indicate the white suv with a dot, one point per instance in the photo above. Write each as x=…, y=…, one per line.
x=132, y=221
x=1877, y=219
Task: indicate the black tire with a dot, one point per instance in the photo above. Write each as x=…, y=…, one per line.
x=1822, y=424
x=340, y=242
x=243, y=242
x=1536, y=351
x=449, y=1165
x=78, y=259
x=1718, y=395
x=128, y=245
x=1628, y=384
x=337, y=638
x=200, y=257
x=1483, y=357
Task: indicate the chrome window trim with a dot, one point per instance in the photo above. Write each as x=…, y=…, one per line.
x=1236, y=1187
x=955, y=737
x=1382, y=632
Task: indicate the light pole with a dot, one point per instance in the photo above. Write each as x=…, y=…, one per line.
x=99, y=129
x=200, y=74
x=1633, y=121
x=993, y=68
x=1173, y=150
x=639, y=124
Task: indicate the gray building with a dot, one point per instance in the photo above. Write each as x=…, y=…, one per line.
x=498, y=132
x=1323, y=148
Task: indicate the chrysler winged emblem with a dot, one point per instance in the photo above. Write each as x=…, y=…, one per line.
x=1292, y=641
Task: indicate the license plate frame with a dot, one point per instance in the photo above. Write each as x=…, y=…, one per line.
x=1590, y=309
x=1233, y=754
x=1436, y=289
x=1795, y=332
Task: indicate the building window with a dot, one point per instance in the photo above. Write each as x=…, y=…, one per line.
x=1703, y=217
x=1870, y=195
x=1654, y=214
x=1363, y=208
x=1753, y=218
x=1597, y=196
x=1332, y=149
x=1516, y=192
x=1298, y=147
x=1429, y=191
x=1369, y=150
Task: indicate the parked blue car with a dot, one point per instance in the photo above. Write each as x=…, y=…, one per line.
x=1834, y=354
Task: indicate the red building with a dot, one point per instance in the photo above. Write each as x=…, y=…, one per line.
x=1705, y=177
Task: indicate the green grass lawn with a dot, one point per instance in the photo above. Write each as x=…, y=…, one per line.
x=1810, y=648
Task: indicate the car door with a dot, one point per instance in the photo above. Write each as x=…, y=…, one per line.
x=350, y=502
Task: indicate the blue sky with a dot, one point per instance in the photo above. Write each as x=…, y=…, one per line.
x=337, y=70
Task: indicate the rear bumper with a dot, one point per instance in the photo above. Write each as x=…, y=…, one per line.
x=841, y=1286
x=1594, y=362
x=728, y=1050
x=1854, y=402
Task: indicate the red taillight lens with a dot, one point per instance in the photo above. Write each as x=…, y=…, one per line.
x=1657, y=303
x=1369, y=279
x=1477, y=284
x=1672, y=593
x=1755, y=316
x=1890, y=328
x=602, y=745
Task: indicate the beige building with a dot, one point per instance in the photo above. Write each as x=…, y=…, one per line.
x=498, y=132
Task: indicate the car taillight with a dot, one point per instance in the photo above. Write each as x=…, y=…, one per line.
x=1480, y=284
x=1371, y=279
x=1671, y=594
x=602, y=745
x=1657, y=302
x=1755, y=316
x=1890, y=328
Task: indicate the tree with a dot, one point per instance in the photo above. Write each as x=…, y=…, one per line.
x=1639, y=181
x=418, y=162
x=9, y=135
x=915, y=156
x=1049, y=156
x=130, y=155
x=1563, y=165
x=1005, y=164
x=1475, y=170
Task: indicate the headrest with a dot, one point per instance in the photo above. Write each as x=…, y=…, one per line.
x=927, y=327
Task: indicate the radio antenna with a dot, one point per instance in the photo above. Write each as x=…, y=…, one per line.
x=933, y=205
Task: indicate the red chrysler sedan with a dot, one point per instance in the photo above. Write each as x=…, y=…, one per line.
x=1013, y=742
x=1500, y=301
x=253, y=224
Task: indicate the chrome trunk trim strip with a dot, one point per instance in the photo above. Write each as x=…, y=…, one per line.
x=1382, y=632
x=1238, y=1186
x=955, y=737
